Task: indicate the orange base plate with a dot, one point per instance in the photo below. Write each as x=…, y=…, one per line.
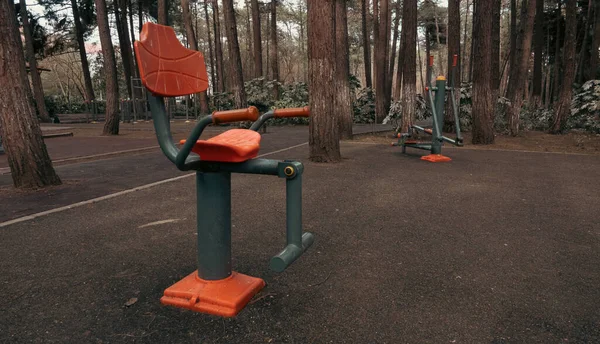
x=226, y=297
x=435, y=158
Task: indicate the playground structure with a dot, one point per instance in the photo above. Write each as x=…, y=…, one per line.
x=437, y=108
x=168, y=69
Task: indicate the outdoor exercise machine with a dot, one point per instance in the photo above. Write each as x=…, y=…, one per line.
x=437, y=108
x=168, y=69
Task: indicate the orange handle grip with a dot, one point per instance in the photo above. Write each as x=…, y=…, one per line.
x=431, y=60
x=454, y=60
x=249, y=114
x=292, y=112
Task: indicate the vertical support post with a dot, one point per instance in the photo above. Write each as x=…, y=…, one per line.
x=440, y=94
x=214, y=225
x=293, y=208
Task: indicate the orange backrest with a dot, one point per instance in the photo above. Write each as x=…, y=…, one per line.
x=167, y=68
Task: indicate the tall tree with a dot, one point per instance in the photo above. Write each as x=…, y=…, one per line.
x=210, y=48
x=324, y=141
x=400, y=69
x=453, y=41
x=36, y=80
x=218, y=48
x=495, y=79
x=381, y=59
x=592, y=71
x=342, y=71
x=513, y=34
x=584, y=51
x=256, y=32
x=235, y=60
x=538, y=47
x=120, y=8
x=563, y=108
x=163, y=12
x=518, y=71
x=390, y=74
x=464, y=49
x=111, y=125
x=85, y=67
x=28, y=158
x=366, y=38
x=191, y=38
x=558, y=53
x=409, y=72
x=274, y=49
x=483, y=104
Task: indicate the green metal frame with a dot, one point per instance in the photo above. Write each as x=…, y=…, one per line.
x=213, y=188
x=437, y=103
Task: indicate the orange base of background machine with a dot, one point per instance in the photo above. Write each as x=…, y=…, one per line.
x=436, y=158
x=226, y=297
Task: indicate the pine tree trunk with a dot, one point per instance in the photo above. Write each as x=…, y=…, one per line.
x=120, y=8
x=409, y=72
x=111, y=125
x=274, y=49
x=453, y=78
x=218, y=49
x=563, y=108
x=343, y=100
x=557, y=55
x=324, y=141
x=28, y=159
x=513, y=36
x=235, y=60
x=483, y=105
x=163, y=12
x=464, y=49
x=210, y=49
x=258, y=67
x=519, y=71
x=538, y=47
x=390, y=76
x=85, y=67
x=36, y=80
x=191, y=38
x=381, y=62
x=400, y=69
x=495, y=79
x=366, y=38
x=592, y=71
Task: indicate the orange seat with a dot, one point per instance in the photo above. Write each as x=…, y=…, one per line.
x=235, y=145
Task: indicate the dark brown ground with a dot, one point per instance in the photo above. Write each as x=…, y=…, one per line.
x=493, y=247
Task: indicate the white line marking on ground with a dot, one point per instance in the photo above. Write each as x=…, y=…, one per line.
x=161, y=222
x=120, y=193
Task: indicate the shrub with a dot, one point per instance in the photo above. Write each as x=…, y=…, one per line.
x=585, y=108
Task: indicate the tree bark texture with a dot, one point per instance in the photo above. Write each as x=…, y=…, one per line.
x=36, y=80
x=453, y=78
x=235, y=60
x=366, y=37
x=464, y=49
x=85, y=67
x=163, y=12
x=28, y=159
x=381, y=63
x=558, y=54
x=218, y=49
x=409, y=72
x=563, y=108
x=324, y=142
x=111, y=124
x=483, y=105
x=519, y=71
x=400, y=69
x=495, y=79
x=584, y=51
x=538, y=47
x=343, y=100
x=256, y=32
x=513, y=34
x=274, y=49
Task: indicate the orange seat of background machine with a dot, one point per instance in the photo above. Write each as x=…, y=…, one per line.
x=436, y=158
x=235, y=145
x=166, y=67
